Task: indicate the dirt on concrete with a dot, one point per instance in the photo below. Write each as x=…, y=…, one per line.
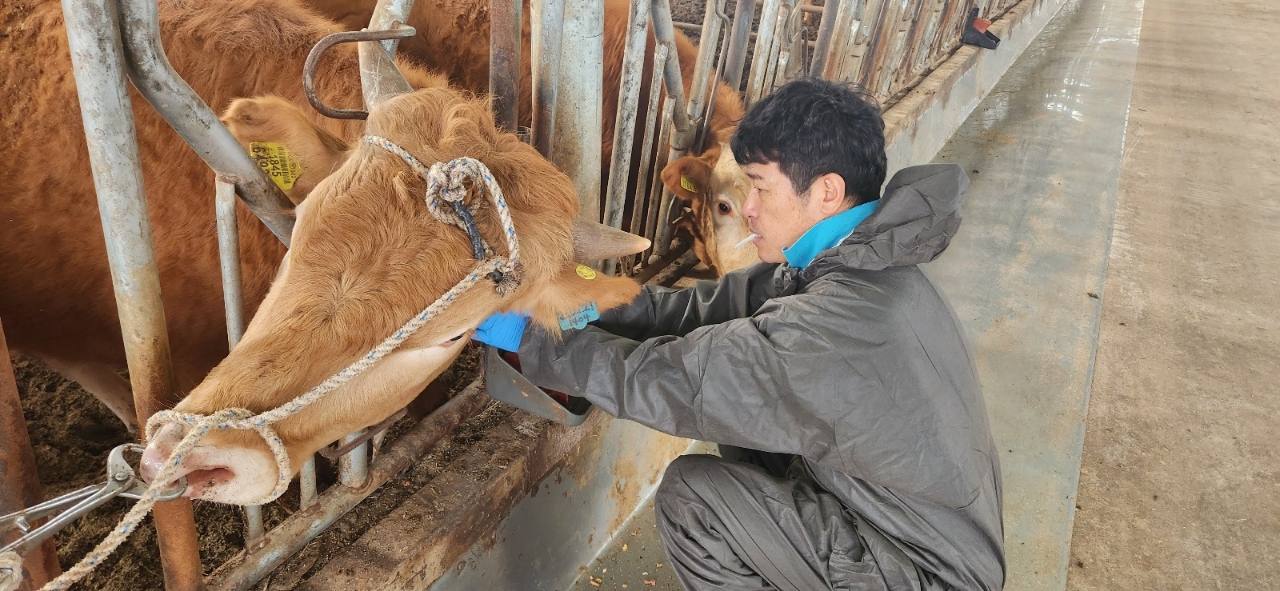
x=1180, y=484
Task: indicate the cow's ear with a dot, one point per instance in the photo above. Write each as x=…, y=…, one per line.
x=294, y=152
x=576, y=286
x=688, y=177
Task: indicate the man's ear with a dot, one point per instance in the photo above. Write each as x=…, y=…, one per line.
x=829, y=190
x=285, y=143
x=688, y=177
x=575, y=287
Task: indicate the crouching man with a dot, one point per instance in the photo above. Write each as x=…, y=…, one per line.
x=855, y=442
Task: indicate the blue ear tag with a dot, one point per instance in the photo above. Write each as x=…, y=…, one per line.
x=578, y=320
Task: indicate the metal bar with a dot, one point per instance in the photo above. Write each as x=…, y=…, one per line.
x=385, y=14
x=651, y=125
x=743, y=12
x=624, y=129
x=673, y=78
x=764, y=44
x=550, y=13
x=252, y=525
x=658, y=193
x=843, y=34
x=97, y=57
x=575, y=147
x=20, y=488
x=826, y=26
x=233, y=303
x=156, y=81
x=504, y=62
x=229, y=258
x=283, y=541
x=703, y=68
x=353, y=467
x=307, y=484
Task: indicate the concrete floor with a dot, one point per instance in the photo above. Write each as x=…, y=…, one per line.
x=1122, y=263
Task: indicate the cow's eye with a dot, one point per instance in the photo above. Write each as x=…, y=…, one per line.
x=723, y=208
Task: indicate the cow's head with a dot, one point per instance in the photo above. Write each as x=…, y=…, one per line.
x=366, y=256
x=715, y=187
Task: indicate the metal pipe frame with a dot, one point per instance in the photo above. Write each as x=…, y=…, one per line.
x=20, y=488
x=826, y=26
x=284, y=540
x=624, y=128
x=651, y=124
x=673, y=78
x=97, y=56
x=575, y=148
x=504, y=61
x=743, y=13
x=763, y=49
x=170, y=96
x=385, y=14
x=550, y=15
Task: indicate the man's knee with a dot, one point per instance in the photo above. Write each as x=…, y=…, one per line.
x=686, y=479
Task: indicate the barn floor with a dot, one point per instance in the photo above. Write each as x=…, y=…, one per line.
x=1118, y=263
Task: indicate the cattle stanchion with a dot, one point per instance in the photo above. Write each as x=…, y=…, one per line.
x=736, y=59
x=97, y=58
x=20, y=487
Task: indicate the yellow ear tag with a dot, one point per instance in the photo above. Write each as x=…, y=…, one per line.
x=278, y=162
x=586, y=272
x=687, y=184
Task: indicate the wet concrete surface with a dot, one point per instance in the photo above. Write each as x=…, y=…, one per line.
x=1180, y=486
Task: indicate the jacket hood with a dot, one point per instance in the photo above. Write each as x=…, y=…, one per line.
x=914, y=223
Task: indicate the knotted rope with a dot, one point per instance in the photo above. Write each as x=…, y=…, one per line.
x=444, y=182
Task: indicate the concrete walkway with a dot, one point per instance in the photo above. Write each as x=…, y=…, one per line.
x=1122, y=263
x=1180, y=488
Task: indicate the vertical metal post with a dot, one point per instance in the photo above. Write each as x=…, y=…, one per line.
x=830, y=11
x=307, y=484
x=233, y=303
x=763, y=49
x=743, y=12
x=546, y=79
x=575, y=149
x=651, y=127
x=504, y=61
x=353, y=466
x=20, y=485
x=673, y=78
x=96, y=53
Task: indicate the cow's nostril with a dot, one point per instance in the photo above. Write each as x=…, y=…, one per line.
x=153, y=460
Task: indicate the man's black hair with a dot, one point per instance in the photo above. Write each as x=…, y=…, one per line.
x=811, y=127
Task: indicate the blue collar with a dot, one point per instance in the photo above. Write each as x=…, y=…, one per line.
x=826, y=234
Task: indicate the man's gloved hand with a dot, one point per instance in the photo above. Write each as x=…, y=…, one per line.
x=502, y=330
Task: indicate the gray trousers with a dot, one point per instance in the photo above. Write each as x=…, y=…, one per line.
x=729, y=524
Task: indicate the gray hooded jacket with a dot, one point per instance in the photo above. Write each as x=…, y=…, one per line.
x=855, y=363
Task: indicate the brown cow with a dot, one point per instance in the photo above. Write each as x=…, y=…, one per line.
x=56, y=294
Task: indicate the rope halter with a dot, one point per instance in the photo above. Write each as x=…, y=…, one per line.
x=445, y=182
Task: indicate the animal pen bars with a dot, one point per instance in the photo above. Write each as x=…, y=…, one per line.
x=886, y=46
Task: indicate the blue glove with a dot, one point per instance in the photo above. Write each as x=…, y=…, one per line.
x=502, y=330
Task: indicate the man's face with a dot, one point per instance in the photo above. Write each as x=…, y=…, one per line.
x=776, y=212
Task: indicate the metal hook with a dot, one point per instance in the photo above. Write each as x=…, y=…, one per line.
x=397, y=31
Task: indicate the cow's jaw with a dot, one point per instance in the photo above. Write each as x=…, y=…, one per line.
x=236, y=467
